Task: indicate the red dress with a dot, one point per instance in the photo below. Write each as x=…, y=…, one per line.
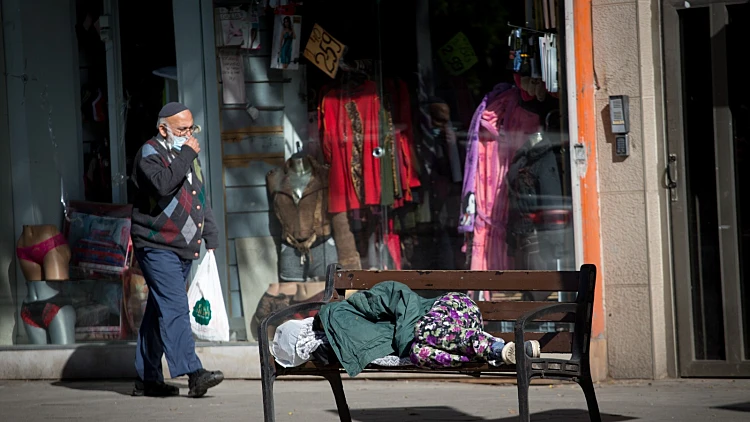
x=350, y=119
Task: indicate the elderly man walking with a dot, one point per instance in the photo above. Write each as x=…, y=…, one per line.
x=171, y=218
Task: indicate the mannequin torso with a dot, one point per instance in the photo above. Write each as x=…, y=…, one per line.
x=299, y=192
x=299, y=195
x=40, y=259
x=37, y=291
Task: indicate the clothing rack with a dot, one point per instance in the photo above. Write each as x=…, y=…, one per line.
x=538, y=31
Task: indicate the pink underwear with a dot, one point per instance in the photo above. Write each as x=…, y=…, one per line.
x=37, y=252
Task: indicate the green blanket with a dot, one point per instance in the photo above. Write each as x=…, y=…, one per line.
x=373, y=323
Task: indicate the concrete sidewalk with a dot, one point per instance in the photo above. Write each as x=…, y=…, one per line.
x=379, y=401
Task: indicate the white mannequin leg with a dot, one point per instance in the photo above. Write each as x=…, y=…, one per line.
x=62, y=329
x=36, y=335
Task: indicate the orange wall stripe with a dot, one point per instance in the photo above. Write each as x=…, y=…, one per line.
x=586, y=109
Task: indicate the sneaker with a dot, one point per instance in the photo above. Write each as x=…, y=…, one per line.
x=532, y=348
x=201, y=380
x=154, y=389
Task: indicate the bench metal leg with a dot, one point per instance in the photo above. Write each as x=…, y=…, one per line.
x=334, y=378
x=588, y=390
x=523, y=397
x=269, y=414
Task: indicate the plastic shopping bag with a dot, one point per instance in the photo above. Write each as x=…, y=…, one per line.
x=208, y=315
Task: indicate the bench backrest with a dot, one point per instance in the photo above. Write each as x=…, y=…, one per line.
x=581, y=282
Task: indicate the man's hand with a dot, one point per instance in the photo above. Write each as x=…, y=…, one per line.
x=192, y=142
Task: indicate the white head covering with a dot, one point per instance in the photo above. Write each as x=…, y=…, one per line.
x=294, y=342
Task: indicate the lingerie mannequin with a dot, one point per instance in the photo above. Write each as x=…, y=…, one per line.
x=311, y=238
x=44, y=254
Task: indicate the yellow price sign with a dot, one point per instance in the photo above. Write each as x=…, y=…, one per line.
x=324, y=51
x=458, y=55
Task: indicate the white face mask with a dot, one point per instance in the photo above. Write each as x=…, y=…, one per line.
x=177, y=141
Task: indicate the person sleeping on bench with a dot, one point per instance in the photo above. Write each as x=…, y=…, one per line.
x=391, y=325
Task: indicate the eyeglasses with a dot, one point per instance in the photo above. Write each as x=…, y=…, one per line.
x=185, y=130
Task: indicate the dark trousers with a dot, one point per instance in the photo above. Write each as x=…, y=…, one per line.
x=165, y=328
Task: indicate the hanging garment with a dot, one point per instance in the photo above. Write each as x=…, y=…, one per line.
x=490, y=172
x=390, y=182
x=543, y=57
x=549, y=62
x=402, y=120
x=499, y=142
x=393, y=147
x=350, y=119
x=468, y=210
x=406, y=164
x=554, y=75
x=393, y=243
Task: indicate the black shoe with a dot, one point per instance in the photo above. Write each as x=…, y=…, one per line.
x=154, y=389
x=201, y=380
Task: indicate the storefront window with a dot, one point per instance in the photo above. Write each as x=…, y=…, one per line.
x=425, y=135
x=388, y=135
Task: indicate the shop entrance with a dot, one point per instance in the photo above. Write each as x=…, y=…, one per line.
x=127, y=67
x=708, y=106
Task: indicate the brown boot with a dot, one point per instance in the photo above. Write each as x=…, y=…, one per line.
x=346, y=248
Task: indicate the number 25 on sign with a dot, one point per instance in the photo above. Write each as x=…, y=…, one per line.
x=324, y=51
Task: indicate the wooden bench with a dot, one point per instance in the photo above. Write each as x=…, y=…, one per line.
x=575, y=343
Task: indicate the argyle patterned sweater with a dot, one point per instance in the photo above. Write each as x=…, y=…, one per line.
x=170, y=211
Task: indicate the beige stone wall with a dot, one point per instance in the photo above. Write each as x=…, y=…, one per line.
x=633, y=202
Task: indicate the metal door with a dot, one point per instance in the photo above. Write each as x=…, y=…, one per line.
x=708, y=116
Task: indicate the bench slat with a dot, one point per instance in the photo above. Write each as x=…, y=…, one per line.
x=512, y=310
x=513, y=281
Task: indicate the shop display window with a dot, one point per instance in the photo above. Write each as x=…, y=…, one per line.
x=378, y=135
x=389, y=135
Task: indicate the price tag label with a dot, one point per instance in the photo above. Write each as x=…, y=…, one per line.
x=458, y=55
x=324, y=51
